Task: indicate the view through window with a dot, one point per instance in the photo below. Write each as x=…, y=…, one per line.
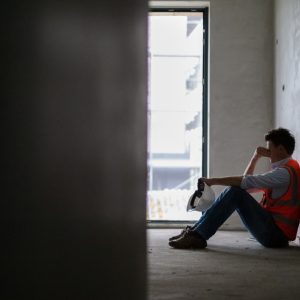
x=175, y=113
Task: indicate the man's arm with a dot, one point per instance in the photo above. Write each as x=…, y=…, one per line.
x=259, y=152
x=237, y=180
x=228, y=181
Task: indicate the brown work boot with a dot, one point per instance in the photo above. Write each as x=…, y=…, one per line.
x=187, y=228
x=190, y=239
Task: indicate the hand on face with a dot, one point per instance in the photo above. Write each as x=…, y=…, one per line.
x=262, y=152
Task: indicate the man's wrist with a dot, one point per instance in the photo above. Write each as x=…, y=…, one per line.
x=255, y=158
x=211, y=181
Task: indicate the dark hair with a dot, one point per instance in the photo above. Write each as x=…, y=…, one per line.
x=282, y=136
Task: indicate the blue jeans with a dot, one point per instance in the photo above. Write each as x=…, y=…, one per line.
x=256, y=219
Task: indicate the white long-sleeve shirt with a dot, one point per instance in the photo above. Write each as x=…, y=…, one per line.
x=277, y=180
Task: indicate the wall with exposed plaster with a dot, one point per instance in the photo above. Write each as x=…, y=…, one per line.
x=287, y=68
x=241, y=85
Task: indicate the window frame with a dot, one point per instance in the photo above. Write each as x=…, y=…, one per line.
x=205, y=107
x=204, y=11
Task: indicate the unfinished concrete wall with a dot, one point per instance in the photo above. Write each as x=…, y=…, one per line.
x=241, y=83
x=73, y=120
x=287, y=69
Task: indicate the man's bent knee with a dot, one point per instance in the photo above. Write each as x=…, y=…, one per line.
x=234, y=193
x=235, y=190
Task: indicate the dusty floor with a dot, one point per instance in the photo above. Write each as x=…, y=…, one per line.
x=231, y=267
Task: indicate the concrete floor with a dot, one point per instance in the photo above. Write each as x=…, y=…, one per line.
x=231, y=267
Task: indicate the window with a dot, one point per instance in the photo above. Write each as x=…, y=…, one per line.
x=177, y=110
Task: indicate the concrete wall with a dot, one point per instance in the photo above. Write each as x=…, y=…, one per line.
x=241, y=81
x=241, y=84
x=287, y=69
x=74, y=137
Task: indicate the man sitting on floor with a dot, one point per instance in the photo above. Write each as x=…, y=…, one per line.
x=274, y=221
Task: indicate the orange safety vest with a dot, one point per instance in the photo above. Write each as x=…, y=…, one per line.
x=286, y=209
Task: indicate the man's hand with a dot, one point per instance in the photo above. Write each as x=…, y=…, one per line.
x=203, y=180
x=258, y=153
x=262, y=152
x=200, y=184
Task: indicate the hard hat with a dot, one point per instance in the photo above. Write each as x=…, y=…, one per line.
x=201, y=200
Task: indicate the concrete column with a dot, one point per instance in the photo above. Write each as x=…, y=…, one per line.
x=74, y=124
x=287, y=70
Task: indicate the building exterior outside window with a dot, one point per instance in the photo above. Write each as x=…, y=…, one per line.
x=175, y=116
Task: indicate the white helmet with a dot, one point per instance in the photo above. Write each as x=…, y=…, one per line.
x=201, y=200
